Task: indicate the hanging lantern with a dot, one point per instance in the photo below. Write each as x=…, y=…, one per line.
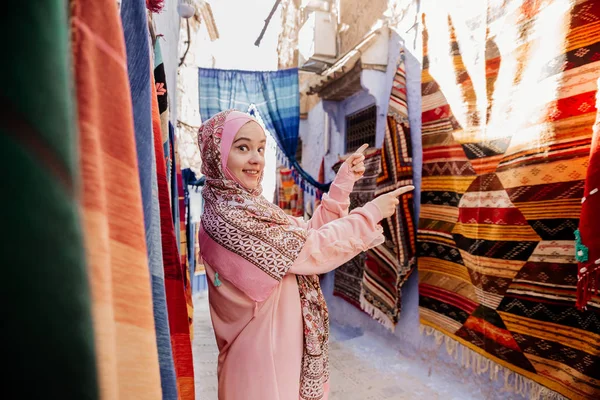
x=155, y=6
x=186, y=8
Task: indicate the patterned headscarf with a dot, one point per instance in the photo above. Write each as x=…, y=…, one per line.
x=243, y=222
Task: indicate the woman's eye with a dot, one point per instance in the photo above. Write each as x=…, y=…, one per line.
x=261, y=150
x=243, y=148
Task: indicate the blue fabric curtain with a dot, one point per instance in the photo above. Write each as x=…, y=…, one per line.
x=276, y=97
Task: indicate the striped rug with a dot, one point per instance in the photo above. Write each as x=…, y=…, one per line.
x=508, y=108
x=111, y=203
x=48, y=342
x=175, y=278
x=390, y=264
x=349, y=276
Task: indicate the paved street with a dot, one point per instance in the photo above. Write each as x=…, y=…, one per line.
x=361, y=368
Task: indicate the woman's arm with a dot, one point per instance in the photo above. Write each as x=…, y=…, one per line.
x=338, y=241
x=335, y=204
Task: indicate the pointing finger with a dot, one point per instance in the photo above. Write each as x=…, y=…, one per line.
x=402, y=190
x=361, y=149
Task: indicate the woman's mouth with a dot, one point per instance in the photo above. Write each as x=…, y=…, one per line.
x=251, y=172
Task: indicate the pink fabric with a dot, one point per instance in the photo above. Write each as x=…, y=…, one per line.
x=253, y=282
x=339, y=241
x=322, y=252
x=261, y=343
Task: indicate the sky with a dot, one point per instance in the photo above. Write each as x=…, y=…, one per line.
x=239, y=23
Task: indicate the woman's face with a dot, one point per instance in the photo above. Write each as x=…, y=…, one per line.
x=246, y=159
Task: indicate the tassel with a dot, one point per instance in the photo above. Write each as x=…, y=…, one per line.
x=217, y=281
x=587, y=275
x=587, y=284
x=479, y=364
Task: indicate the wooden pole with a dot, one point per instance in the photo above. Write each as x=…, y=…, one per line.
x=264, y=29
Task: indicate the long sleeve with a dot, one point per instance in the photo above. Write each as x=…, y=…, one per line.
x=338, y=241
x=334, y=204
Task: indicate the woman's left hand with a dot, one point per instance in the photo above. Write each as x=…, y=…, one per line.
x=356, y=162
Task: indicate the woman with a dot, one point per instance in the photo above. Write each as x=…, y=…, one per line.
x=268, y=312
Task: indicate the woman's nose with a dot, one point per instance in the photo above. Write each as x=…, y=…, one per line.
x=256, y=158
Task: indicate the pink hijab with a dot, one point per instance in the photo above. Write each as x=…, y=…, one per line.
x=253, y=244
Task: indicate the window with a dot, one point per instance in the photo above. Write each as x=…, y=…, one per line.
x=360, y=128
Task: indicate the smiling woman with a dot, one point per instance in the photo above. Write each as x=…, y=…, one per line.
x=267, y=308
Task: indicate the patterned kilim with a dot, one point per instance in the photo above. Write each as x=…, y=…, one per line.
x=508, y=109
x=372, y=280
x=162, y=95
x=289, y=195
x=348, y=277
x=390, y=264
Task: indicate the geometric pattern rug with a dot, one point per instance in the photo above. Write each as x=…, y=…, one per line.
x=389, y=265
x=372, y=281
x=348, y=277
x=289, y=194
x=508, y=106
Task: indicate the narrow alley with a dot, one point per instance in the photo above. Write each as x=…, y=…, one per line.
x=362, y=368
x=377, y=199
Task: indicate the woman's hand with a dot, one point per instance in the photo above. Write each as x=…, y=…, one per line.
x=387, y=203
x=355, y=162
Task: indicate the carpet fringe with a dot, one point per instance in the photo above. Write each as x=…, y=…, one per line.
x=513, y=382
x=376, y=313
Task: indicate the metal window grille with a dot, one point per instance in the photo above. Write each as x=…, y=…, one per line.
x=299, y=151
x=360, y=128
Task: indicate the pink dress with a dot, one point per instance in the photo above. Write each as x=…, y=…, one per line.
x=260, y=343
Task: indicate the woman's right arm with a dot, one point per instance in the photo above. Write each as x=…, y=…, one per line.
x=340, y=240
x=336, y=203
